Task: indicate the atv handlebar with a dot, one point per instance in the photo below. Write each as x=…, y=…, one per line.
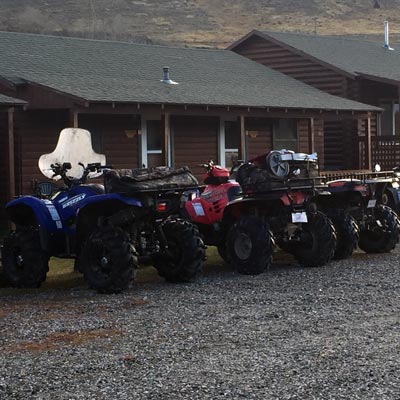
x=61, y=170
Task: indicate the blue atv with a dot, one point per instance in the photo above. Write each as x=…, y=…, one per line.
x=108, y=232
x=136, y=222
x=46, y=227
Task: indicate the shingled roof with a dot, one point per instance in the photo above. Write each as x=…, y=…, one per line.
x=10, y=101
x=354, y=57
x=107, y=71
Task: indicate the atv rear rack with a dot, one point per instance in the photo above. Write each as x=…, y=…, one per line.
x=365, y=176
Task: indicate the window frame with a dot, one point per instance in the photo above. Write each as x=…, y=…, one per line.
x=275, y=132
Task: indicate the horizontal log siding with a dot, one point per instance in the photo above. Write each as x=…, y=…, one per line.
x=353, y=89
x=262, y=143
x=304, y=137
x=36, y=133
x=3, y=163
x=296, y=66
x=195, y=142
x=333, y=142
x=120, y=151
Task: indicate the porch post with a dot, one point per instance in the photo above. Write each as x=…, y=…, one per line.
x=143, y=143
x=73, y=118
x=243, y=147
x=369, y=146
x=221, y=142
x=11, y=168
x=167, y=139
x=312, y=135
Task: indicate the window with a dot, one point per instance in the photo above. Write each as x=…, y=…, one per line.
x=285, y=135
x=390, y=120
x=154, y=137
x=232, y=142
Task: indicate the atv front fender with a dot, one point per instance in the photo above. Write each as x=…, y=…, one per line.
x=29, y=210
x=99, y=206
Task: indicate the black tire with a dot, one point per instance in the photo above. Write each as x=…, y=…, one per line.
x=25, y=264
x=317, y=241
x=108, y=260
x=381, y=239
x=347, y=231
x=186, y=252
x=250, y=245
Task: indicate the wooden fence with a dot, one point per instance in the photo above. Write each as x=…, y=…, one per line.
x=385, y=151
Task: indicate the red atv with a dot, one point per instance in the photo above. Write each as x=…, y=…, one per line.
x=207, y=210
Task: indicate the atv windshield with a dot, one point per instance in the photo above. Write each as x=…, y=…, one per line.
x=74, y=146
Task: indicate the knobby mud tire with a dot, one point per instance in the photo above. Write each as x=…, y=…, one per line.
x=186, y=252
x=381, y=239
x=108, y=260
x=319, y=241
x=250, y=245
x=347, y=231
x=25, y=264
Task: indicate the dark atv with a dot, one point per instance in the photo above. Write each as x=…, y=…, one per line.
x=135, y=223
x=364, y=198
x=279, y=191
x=274, y=205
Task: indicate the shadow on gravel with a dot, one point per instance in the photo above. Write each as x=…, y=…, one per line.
x=61, y=275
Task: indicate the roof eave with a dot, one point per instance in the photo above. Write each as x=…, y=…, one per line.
x=378, y=79
x=269, y=108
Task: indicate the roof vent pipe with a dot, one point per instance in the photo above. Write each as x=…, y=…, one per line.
x=386, y=44
x=166, y=79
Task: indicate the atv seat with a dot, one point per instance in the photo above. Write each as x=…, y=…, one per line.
x=135, y=180
x=343, y=185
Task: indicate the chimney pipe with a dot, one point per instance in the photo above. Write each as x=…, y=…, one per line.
x=166, y=79
x=386, y=43
x=166, y=74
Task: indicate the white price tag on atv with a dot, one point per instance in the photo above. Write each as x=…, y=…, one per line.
x=371, y=204
x=299, y=217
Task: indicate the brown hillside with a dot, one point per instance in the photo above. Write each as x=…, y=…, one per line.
x=196, y=22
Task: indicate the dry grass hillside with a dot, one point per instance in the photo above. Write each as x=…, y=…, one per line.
x=196, y=22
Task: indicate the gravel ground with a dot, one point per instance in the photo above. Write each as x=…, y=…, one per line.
x=291, y=333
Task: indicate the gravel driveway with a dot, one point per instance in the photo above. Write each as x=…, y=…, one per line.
x=291, y=333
